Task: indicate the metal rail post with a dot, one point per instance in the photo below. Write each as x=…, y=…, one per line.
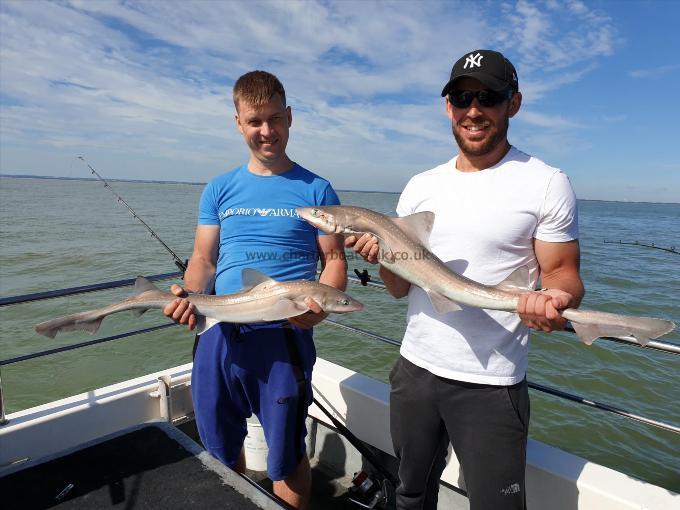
x=3, y=420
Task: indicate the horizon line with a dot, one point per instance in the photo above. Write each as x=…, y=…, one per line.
x=156, y=181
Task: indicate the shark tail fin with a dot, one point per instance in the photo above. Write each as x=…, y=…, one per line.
x=76, y=322
x=590, y=326
x=655, y=328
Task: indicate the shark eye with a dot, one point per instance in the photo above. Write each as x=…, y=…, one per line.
x=316, y=213
x=344, y=302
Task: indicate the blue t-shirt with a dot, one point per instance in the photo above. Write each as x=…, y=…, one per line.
x=259, y=227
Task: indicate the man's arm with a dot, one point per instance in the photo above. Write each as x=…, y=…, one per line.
x=333, y=273
x=559, y=265
x=198, y=277
x=333, y=262
x=395, y=285
x=368, y=247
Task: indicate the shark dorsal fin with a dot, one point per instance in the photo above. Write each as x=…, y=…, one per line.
x=417, y=226
x=251, y=278
x=518, y=280
x=143, y=285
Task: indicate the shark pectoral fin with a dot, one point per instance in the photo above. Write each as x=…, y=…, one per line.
x=203, y=324
x=587, y=333
x=417, y=226
x=441, y=303
x=518, y=280
x=283, y=309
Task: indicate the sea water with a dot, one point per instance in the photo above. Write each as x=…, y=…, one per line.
x=65, y=233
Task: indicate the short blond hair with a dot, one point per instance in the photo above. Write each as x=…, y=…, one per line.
x=256, y=88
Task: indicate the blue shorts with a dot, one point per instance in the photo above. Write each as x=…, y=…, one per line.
x=265, y=369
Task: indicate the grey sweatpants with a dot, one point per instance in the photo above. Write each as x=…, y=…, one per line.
x=487, y=426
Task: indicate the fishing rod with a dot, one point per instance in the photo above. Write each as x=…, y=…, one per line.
x=178, y=262
x=359, y=445
x=672, y=249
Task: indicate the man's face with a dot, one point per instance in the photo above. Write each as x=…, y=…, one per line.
x=478, y=130
x=265, y=129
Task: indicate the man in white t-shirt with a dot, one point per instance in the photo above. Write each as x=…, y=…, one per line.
x=461, y=375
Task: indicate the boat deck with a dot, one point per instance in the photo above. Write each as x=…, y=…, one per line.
x=48, y=456
x=155, y=466
x=144, y=468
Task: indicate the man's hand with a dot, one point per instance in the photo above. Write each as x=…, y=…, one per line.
x=310, y=318
x=366, y=246
x=541, y=310
x=181, y=310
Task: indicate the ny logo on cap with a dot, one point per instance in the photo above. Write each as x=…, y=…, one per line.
x=473, y=60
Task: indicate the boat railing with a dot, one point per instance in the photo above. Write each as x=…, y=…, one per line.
x=659, y=346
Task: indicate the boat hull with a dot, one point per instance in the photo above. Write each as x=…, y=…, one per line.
x=555, y=479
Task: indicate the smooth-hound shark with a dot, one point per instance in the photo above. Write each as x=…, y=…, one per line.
x=262, y=299
x=404, y=245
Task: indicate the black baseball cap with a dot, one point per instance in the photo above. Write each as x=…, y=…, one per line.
x=489, y=67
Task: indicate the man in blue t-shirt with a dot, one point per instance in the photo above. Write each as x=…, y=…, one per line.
x=246, y=219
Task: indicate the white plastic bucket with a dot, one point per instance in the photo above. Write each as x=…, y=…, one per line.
x=255, y=446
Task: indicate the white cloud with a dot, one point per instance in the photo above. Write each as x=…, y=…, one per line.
x=150, y=82
x=615, y=118
x=543, y=120
x=654, y=72
x=553, y=37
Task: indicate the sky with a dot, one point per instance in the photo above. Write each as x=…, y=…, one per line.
x=142, y=90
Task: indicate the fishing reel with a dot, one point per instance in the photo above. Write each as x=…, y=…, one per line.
x=367, y=491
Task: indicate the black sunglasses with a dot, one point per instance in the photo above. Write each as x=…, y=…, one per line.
x=488, y=98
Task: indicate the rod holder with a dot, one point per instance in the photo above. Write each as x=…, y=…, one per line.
x=164, y=393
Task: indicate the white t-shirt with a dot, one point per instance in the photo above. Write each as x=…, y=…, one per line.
x=484, y=225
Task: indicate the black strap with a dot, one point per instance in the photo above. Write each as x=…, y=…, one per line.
x=296, y=362
x=193, y=351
